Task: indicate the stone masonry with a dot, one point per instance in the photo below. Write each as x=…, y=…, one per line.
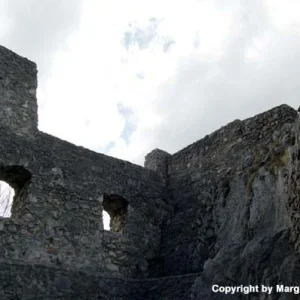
x=224, y=210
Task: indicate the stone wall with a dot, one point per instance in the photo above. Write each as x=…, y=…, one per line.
x=18, y=83
x=158, y=161
x=58, y=219
x=37, y=282
x=57, y=210
x=232, y=194
x=224, y=210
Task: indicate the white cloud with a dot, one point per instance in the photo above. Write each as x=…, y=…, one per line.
x=188, y=68
x=284, y=14
x=254, y=70
x=37, y=29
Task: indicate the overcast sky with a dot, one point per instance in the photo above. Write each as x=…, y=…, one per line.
x=125, y=77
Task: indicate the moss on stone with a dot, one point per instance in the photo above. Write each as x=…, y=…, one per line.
x=251, y=179
x=284, y=159
x=279, y=161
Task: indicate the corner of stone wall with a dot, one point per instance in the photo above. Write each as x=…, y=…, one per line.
x=157, y=160
x=18, y=84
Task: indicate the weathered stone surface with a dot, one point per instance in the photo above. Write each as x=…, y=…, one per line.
x=18, y=83
x=224, y=210
x=57, y=211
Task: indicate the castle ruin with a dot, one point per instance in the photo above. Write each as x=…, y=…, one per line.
x=224, y=210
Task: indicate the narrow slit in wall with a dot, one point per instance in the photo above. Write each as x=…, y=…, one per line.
x=106, y=220
x=6, y=199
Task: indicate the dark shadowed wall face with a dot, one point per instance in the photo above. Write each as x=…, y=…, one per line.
x=227, y=189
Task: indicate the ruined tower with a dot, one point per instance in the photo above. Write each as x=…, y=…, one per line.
x=18, y=84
